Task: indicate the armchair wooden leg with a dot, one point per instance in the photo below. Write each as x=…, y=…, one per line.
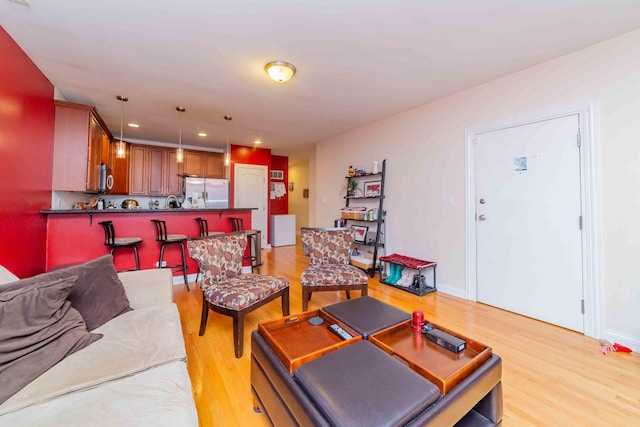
x=204, y=316
x=285, y=302
x=348, y=294
x=238, y=333
x=306, y=296
x=365, y=290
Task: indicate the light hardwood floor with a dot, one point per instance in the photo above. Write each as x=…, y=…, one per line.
x=551, y=376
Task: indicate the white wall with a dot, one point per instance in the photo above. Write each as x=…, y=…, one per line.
x=425, y=156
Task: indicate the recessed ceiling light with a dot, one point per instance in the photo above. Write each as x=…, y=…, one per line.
x=257, y=142
x=202, y=134
x=133, y=125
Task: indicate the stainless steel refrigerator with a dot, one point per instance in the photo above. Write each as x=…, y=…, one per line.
x=214, y=192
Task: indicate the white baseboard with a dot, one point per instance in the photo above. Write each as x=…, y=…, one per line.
x=450, y=290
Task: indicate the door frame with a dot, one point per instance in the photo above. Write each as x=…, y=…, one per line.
x=265, y=172
x=591, y=217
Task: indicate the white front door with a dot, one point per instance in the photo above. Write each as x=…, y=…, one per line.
x=250, y=191
x=528, y=221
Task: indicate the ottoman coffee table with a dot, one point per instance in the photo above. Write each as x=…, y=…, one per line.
x=301, y=376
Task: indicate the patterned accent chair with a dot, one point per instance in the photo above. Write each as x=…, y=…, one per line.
x=329, y=268
x=225, y=289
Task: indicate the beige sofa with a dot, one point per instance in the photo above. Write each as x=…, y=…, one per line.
x=134, y=375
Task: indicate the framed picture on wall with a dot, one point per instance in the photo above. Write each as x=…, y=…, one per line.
x=372, y=188
x=361, y=233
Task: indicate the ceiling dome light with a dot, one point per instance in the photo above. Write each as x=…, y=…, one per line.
x=257, y=142
x=280, y=71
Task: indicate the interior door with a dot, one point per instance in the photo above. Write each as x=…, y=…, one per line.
x=250, y=191
x=528, y=216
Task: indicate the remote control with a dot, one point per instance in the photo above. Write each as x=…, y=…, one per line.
x=336, y=329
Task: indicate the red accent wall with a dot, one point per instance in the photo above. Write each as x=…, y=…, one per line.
x=27, y=117
x=280, y=206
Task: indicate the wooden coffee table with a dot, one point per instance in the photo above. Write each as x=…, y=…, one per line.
x=296, y=341
x=442, y=367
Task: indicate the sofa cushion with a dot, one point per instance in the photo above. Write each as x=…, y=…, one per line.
x=346, y=386
x=133, y=342
x=39, y=329
x=98, y=294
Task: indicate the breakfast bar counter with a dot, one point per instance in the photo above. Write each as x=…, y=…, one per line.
x=74, y=235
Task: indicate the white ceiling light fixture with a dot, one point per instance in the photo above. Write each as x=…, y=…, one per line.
x=227, y=154
x=121, y=147
x=179, y=150
x=257, y=142
x=280, y=71
x=133, y=125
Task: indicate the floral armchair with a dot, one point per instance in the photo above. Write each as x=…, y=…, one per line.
x=329, y=268
x=225, y=289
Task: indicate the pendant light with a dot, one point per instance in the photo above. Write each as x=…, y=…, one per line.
x=227, y=154
x=121, y=147
x=179, y=150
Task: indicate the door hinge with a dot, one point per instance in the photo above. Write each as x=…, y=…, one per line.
x=582, y=306
x=580, y=222
x=578, y=139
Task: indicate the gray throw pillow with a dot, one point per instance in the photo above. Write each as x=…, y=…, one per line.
x=39, y=329
x=98, y=295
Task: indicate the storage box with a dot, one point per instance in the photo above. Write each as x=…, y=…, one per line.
x=353, y=215
x=364, y=261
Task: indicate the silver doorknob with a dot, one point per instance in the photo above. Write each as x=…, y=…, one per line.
x=481, y=218
x=482, y=201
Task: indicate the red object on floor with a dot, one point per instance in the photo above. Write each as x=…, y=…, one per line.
x=406, y=261
x=620, y=347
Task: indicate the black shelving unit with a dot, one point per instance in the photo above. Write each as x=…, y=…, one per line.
x=376, y=201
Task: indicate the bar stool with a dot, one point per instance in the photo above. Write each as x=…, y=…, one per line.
x=114, y=242
x=255, y=248
x=168, y=239
x=203, y=224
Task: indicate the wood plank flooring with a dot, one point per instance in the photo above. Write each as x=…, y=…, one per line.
x=551, y=376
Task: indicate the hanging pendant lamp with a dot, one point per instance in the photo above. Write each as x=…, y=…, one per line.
x=121, y=147
x=179, y=150
x=227, y=154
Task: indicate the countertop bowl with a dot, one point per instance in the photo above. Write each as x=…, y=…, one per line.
x=129, y=204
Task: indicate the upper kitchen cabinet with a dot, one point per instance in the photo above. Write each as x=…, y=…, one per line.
x=120, y=170
x=204, y=163
x=154, y=171
x=81, y=145
x=214, y=165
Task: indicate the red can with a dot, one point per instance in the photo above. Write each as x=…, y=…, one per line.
x=417, y=321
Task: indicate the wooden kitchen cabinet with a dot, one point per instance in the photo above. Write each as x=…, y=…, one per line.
x=193, y=162
x=213, y=165
x=138, y=169
x=157, y=161
x=204, y=163
x=120, y=170
x=81, y=144
x=154, y=171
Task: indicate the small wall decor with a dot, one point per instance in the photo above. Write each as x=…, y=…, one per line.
x=291, y=186
x=361, y=233
x=372, y=188
x=276, y=174
x=305, y=193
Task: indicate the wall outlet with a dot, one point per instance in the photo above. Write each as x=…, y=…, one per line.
x=164, y=263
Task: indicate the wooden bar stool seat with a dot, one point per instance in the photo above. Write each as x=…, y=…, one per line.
x=114, y=242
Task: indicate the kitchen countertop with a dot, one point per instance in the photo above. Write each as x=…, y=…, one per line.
x=134, y=211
